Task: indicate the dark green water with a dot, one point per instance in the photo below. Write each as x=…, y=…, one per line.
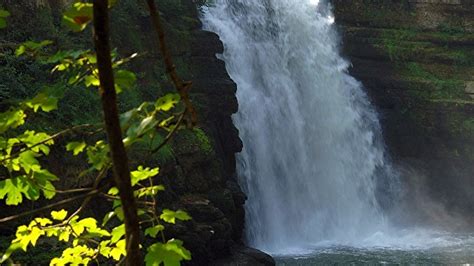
x=462, y=254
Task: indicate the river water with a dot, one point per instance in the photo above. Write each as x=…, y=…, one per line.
x=319, y=182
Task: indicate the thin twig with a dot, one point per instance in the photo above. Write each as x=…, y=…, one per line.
x=182, y=87
x=110, y=197
x=86, y=201
x=170, y=135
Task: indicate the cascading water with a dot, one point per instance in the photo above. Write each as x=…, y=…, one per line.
x=311, y=138
x=313, y=164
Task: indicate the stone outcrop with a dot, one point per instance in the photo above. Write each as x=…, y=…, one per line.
x=416, y=59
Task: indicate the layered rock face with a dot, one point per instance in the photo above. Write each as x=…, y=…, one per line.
x=416, y=59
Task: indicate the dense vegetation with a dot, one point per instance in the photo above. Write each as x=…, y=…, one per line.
x=58, y=81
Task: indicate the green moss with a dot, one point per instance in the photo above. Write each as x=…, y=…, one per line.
x=204, y=142
x=191, y=141
x=397, y=43
x=451, y=29
x=437, y=88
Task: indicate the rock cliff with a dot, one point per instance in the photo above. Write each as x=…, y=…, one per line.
x=416, y=59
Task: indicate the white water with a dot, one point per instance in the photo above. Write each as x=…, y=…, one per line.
x=313, y=165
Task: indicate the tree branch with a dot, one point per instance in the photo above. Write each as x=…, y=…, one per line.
x=114, y=132
x=170, y=135
x=182, y=87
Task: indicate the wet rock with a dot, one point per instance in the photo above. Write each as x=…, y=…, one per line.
x=244, y=256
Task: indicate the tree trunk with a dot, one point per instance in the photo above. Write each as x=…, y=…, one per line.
x=114, y=132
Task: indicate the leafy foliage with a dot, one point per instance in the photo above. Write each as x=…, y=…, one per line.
x=23, y=151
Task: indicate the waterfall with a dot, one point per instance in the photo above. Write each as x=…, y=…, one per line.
x=313, y=164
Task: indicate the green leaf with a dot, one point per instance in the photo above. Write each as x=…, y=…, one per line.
x=78, y=16
x=76, y=147
x=13, y=189
x=113, y=191
x=11, y=119
x=125, y=118
x=119, y=251
x=119, y=212
x=169, y=254
x=46, y=102
x=117, y=233
x=91, y=80
x=43, y=177
x=78, y=255
x=59, y=215
x=107, y=218
x=28, y=161
x=89, y=223
x=167, y=102
x=136, y=131
x=64, y=235
x=31, y=47
x=170, y=216
x=12, y=248
x=35, y=234
x=142, y=174
x=148, y=191
x=36, y=141
x=98, y=155
x=125, y=79
x=153, y=231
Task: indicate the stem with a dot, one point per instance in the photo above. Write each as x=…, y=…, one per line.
x=181, y=87
x=114, y=132
x=171, y=134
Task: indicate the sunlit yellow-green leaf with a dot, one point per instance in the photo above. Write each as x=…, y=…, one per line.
x=13, y=189
x=119, y=251
x=148, y=191
x=117, y=233
x=107, y=217
x=91, y=80
x=113, y=191
x=78, y=255
x=59, y=215
x=142, y=174
x=168, y=254
x=170, y=216
x=153, y=231
x=167, y=102
x=11, y=119
x=76, y=147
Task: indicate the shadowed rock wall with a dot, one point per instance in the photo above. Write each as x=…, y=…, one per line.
x=416, y=59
